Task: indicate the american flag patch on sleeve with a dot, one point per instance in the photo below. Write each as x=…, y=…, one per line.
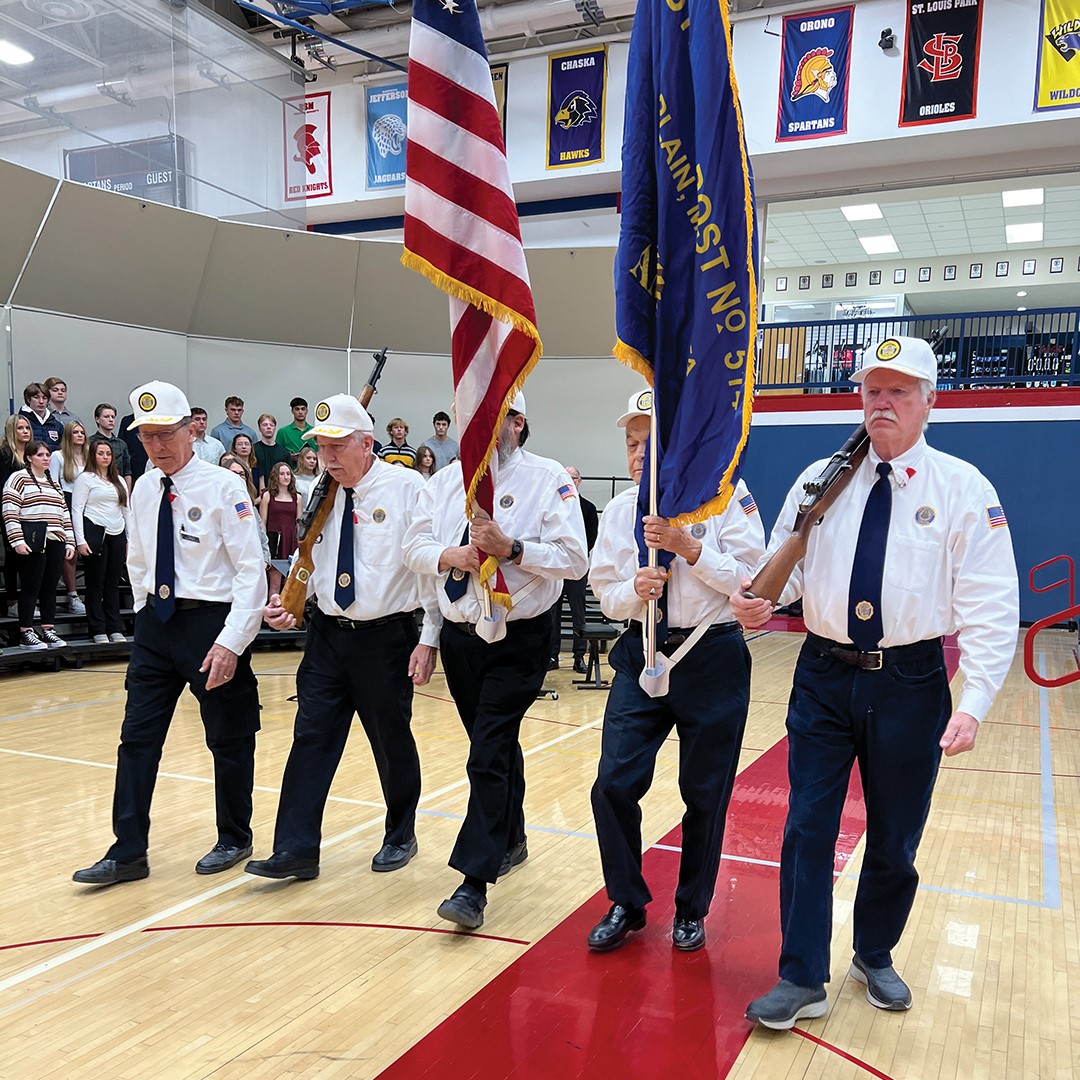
x=748, y=505
x=243, y=510
x=567, y=491
x=995, y=515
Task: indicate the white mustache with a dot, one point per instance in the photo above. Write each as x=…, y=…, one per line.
x=883, y=414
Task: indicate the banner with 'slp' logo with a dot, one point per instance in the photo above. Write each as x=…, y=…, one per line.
x=941, y=61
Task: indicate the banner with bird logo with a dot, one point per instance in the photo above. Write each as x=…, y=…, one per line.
x=576, y=84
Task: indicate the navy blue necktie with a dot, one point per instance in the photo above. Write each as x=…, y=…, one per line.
x=864, y=595
x=165, y=560
x=345, y=589
x=457, y=581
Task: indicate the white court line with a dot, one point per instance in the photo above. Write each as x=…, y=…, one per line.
x=133, y=928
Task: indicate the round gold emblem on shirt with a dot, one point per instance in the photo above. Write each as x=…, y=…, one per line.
x=378, y=515
x=925, y=515
x=889, y=349
x=322, y=412
x=506, y=502
x=457, y=575
x=164, y=592
x=344, y=580
x=147, y=402
x=864, y=610
x=194, y=514
x=697, y=531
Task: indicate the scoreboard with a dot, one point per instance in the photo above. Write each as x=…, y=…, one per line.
x=151, y=169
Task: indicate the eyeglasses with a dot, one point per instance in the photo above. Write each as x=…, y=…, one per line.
x=156, y=438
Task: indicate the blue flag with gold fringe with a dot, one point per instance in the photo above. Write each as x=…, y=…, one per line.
x=685, y=285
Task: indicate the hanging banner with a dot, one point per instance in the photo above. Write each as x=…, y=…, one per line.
x=386, y=106
x=576, y=83
x=500, y=74
x=306, y=123
x=941, y=63
x=1057, y=82
x=815, y=61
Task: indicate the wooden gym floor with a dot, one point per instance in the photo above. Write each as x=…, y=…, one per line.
x=353, y=975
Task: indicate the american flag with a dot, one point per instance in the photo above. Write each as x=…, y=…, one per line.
x=462, y=232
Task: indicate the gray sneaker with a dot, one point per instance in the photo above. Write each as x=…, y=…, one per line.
x=51, y=638
x=785, y=1003
x=75, y=605
x=884, y=988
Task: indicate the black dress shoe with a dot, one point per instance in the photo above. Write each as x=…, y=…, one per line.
x=580, y=667
x=514, y=857
x=109, y=872
x=610, y=932
x=688, y=935
x=465, y=907
x=283, y=865
x=553, y=664
x=222, y=857
x=394, y=856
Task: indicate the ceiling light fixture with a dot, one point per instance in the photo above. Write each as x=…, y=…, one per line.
x=864, y=212
x=12, y=54
x=878, y=245
x=1030, y=232
x=1022, y=197
x=1022, y=292
x=1021, y=309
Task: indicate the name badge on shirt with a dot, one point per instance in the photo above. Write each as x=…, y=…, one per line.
x=185, y=535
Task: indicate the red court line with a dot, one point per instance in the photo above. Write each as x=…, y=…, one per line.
x=357, y=925
x=843, y=1053
x=645, y=1010
x=49, y=941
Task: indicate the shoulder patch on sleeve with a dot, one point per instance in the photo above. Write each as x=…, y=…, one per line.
x=748, y=505
x=243, y=510
x=995, y=517
x=568, y=491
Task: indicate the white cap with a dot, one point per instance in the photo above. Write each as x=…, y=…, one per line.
x=640, y=404
x=338, y=416
x=158, y=403
x=908, y=355
x=518, y=404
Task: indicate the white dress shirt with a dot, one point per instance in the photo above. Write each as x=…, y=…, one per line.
x=948, y=567
x=216, y=549
x=731, y=545
x=208, y=449
x=384, y=506
x=536, y=503
x=98, y=500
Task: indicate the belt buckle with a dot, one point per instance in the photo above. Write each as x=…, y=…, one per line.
x=876, y=660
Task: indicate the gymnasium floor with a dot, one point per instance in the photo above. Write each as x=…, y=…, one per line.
x=353, y=975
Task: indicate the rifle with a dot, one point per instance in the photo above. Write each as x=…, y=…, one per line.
x=821, y=493
x=311, y=523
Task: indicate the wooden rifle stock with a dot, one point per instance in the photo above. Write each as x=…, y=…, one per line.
x=821, y=493
x=311, y=524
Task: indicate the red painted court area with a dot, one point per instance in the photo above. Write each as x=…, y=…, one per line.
x=644, y=1010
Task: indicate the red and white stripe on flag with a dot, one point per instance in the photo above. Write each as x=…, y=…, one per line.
x=462, y=230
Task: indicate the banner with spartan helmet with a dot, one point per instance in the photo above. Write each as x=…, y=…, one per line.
x=1057, y=82
x=575, y=130
x=941, y=62
x=386, y=106
x=306, y=134
x=815, y=64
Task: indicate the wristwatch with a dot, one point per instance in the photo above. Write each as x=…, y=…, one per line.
x=516, y=548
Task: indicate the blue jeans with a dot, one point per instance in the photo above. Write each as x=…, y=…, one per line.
x=889, y=721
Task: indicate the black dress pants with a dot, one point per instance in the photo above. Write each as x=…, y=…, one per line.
x=102, y=578
x=362, y=670
x=493, y=686
x=39, y=573
x=165, y=658
x=707, y=702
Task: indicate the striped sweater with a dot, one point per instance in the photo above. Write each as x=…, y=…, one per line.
x=28, y=499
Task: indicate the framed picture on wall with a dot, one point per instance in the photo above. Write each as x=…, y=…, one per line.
x=1029, y=266
x=851, y=280
x=899, y=276
x=975, y=271
x=924, y=273
x=950, y=273
x=875, y=277
x=826, y=281
x=1002, y=268
x=781, y=284
x=804, y=281
x=1057, y=265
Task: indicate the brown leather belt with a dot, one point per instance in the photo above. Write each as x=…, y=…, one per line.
x=875, y=659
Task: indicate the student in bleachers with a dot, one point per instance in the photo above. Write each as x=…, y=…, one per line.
x=397, y=451
x=64, y=466
x=267, y=452
x=237, y=465
x=56, y=388
x=99, y=521
x=45, y=426
x=17, y=433
x=243, y=448
x=38, y=525
x=279, y=507
x=306, y=472
x=425, y=462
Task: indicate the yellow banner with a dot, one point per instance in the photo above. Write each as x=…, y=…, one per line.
x=499, y=75
x=1058, y=83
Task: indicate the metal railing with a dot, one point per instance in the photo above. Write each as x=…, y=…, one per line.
x=1040, y=347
